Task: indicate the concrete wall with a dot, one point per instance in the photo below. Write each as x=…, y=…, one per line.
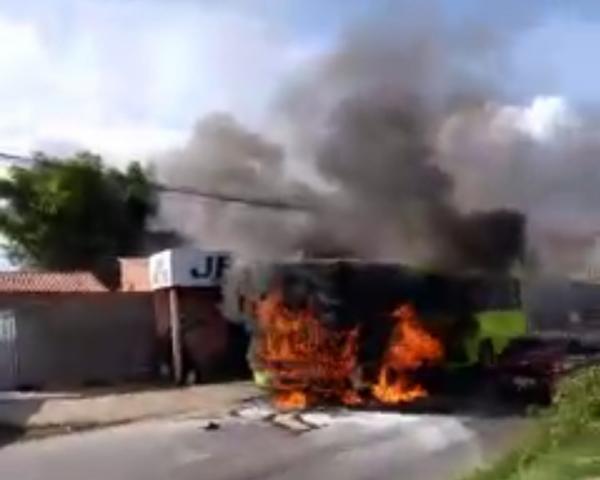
x=71, y=339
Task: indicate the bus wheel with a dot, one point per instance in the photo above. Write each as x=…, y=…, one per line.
x=486, y=356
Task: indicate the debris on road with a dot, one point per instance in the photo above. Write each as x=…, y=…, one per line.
x=212, y=426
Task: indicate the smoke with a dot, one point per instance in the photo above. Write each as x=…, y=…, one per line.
x=407, y=147
x=222, y=156
x=541, y=159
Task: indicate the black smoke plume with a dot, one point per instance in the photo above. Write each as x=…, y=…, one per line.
x=406, y=146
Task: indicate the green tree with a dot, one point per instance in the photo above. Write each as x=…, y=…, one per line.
x=74, y=212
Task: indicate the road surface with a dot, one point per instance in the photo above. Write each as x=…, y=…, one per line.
x=256, y=444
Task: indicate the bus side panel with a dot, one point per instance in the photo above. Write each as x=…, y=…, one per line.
x=500, y=326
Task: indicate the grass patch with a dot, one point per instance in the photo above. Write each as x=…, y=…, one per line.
x=565, y=444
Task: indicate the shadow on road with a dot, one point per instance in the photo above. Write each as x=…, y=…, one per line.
x=10, y=434
x=15, y=410
x=470, y=394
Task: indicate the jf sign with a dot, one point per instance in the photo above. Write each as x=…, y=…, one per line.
x=188, y=267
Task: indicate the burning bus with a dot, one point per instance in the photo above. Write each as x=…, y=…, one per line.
x=356, y=332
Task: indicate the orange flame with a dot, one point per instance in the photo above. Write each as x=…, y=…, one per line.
x=292, y=400
x=351, y=398
x=309, y=362
x=410, y=347
x=302, y=354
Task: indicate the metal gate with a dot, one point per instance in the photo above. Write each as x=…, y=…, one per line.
x=8, y=349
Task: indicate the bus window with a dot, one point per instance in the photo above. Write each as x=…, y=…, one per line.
x=516, y=293
x=502, y=294
x=505, y=295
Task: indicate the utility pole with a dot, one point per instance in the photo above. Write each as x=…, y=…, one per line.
x=175, y=323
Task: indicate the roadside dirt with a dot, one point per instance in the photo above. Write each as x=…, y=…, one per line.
x=38, y=414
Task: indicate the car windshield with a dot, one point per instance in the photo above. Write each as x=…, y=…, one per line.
x=523, y=345
x=539, y=344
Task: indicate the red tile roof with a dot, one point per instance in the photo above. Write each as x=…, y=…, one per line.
x=50, y=282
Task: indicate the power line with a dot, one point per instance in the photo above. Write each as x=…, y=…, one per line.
x=10, y=158
x=271, y=203
x=228, y=198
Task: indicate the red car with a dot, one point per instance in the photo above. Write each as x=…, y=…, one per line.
x=530, y=367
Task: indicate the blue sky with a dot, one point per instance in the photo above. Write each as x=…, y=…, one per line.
x=130, y=77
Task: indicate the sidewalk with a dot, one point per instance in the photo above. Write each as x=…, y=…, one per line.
x=102, y=407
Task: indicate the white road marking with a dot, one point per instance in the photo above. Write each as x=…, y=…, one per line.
x=188, y=457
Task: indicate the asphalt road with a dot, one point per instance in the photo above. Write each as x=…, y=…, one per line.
x=254, y=445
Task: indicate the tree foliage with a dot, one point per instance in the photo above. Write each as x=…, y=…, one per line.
x=74, y=212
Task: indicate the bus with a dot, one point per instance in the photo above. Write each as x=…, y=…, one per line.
x=475, y=315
